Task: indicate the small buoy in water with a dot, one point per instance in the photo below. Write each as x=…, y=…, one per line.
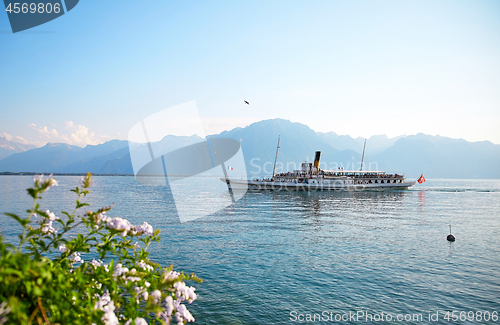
x=450, y=237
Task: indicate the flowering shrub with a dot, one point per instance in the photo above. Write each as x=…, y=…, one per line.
x=52, y=278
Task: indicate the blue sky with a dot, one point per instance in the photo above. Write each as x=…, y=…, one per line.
x=353, y=67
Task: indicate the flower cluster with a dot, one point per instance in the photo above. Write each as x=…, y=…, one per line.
x=143, y=265
x=46, y=222
x=184, y=292
x=174, y=307
x=173, y=303
x=122, y=286
x=43, y=183
x=4, y=311
x=124, y=226
x=109, y=317
x=75, y=258
x=62, y=248
x=170, y=276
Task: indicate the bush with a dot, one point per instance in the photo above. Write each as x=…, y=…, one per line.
x=48, y=279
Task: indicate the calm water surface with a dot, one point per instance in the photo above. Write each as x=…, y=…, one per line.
x=275, y=255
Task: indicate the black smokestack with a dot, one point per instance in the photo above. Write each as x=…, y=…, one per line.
x=316, y=159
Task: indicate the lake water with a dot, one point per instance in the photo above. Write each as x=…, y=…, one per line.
x=278, y=257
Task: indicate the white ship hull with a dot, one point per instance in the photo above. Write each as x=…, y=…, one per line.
x=318, y=186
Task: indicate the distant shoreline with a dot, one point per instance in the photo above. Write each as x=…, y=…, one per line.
x=183, y=176
x=58, y=174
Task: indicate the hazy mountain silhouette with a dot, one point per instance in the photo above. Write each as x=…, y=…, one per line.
x=298, y=144
x=442, y=157
x=8, y=148
x=434, y=156
x=48, y=158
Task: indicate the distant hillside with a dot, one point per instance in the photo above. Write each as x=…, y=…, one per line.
x=123, y=164
x=434, y=156
x=111, y=157
x=298, y=144
x=441, y=157
x=8, y=148
x=376, y=143
x=63, y=158
x=48, y=158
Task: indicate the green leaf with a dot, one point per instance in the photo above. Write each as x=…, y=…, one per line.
x=32, y=192
x=80, y=205
x=22, y=221
x=9, y=271
x=37, y=291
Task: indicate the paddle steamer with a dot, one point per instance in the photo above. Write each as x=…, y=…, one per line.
x=312, y=178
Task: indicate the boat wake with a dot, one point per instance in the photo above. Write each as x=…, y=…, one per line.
x=454, y=190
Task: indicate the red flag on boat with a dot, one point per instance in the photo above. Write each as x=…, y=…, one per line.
x=421, y=179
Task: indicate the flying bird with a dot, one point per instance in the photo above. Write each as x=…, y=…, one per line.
x=246, y=102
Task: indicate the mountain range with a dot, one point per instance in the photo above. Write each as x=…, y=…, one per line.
x=433, y=156
x=8, y=148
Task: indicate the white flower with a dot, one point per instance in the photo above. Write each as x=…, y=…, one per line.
x=119, y=224
x=101, y=217
x=185, y=313
x=164, y=317
x=145, y=229
x=178, y=317
x=119, y=270
x=75, y=258
x=156, y=295
x=38, y=178
x=184, y=292
x=103, y=301
x=108, y=307
x=53, y=181
x=41, y=182
x=46, y=223
x=4, y=311
x=144, y=266
x=47, y=228
x=140, y=321
x=172, y=275
x=109, y=317
x=136, y=246
x=169, y=301
x=51, y=215
x=62, y=248
x=97, y=284
x=96, y=263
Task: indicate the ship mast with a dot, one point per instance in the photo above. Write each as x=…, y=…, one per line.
x=363, y=157
x=275, y=158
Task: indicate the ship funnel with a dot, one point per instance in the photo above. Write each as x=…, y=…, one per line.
x=316, y=159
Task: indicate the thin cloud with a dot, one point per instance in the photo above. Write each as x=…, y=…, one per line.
x=15, y=138
x=72, y=134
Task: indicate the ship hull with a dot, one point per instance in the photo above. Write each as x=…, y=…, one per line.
x=292, y=186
